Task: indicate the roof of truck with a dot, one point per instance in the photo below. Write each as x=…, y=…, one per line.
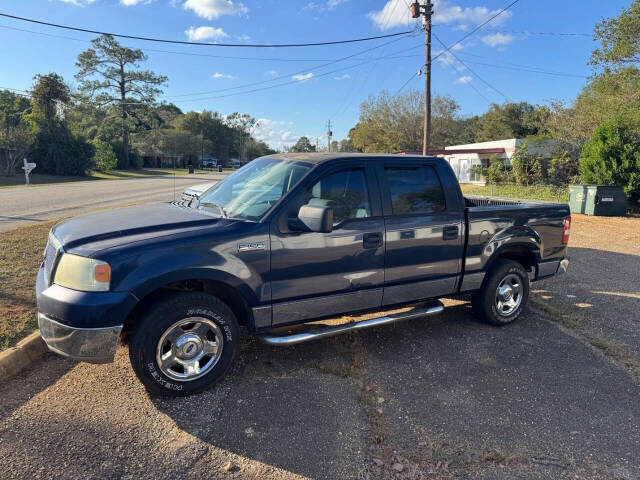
x=318, y=158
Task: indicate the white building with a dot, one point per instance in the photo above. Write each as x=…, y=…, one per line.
x=463, y=158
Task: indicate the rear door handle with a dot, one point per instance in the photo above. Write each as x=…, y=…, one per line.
x=450, y=233
x=372, y=240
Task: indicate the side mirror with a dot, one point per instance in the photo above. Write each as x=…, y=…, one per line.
x=316, y=219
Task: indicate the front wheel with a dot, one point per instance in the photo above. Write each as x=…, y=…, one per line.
x=184, y=344
x=504, y=293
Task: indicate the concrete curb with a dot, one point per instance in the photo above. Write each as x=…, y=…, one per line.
x=14, y=359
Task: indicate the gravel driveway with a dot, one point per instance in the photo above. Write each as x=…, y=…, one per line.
x=443, y=397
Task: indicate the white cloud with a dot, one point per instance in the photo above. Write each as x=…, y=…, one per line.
x=271, y=73
x=131, y=3
x=346, y=76
x=463, y=27
x=204, y=33
x=465, y=79
x=303, y=77
x=331, y=4
x=244, y=38
x=395, y=13
x=497, y=39
x=275, y=133
x=79, y=3
x=226, y=76
x=212, y=9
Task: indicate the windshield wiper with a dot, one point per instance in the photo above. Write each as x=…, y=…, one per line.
x=215, y=205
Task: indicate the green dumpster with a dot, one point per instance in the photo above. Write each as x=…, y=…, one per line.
x=599, y=200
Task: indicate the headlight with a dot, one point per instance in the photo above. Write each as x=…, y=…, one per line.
x=82, y=273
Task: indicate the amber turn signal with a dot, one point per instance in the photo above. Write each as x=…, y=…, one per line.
x=102, y=273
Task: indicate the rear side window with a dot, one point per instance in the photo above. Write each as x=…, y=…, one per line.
x=415, y=190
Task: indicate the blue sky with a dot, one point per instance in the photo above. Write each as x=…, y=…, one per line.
x=501, y=53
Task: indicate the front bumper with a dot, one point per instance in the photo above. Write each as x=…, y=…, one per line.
x=94, y=345
x=81, y=325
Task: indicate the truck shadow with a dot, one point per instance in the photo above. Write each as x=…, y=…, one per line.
x=316, y=409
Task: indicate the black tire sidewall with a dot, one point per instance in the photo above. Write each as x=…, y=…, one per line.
x=158, y=319
x=500, y=271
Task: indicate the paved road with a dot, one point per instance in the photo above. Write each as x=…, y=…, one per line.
x=25, y=205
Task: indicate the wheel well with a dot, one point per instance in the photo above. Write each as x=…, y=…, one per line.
x=222, y=291
x=523, y=255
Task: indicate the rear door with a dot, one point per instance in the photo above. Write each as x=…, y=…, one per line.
x=424, y=232
x=317, y=274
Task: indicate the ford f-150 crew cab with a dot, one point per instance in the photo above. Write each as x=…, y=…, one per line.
x=285, y=240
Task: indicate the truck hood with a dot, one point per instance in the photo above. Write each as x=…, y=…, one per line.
x=88, y=233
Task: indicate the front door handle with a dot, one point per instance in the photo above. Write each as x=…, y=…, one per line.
x=450, y=233
x=372, y=240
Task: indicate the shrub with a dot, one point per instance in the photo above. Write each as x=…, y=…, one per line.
x=104, y=158
x=527, y=168
x=612, y=157
x=495, y=172
x=563, y=168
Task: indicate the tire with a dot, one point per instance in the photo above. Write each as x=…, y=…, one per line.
x=501, y=307
x=184, y=344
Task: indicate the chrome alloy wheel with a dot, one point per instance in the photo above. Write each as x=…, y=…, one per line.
x=189, y=348
x=509, y=294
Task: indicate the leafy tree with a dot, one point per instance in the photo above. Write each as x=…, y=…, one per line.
x=510, y=120
x=335, y=146
x=563, y=168
x=13, y=108
x=303, y=145
x=612, y=157
x=104, y=158
x=55, y=148
x=110, y=75
x=50, y=96
x=15, y=142
x=619, y=38
x=390, y=123
x=346, y=145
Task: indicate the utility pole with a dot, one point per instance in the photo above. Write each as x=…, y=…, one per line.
x=329, y=135
x=426, y=12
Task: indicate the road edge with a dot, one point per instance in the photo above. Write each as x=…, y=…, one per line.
x=15, y=359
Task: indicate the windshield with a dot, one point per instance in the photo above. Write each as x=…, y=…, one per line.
x=252, y=190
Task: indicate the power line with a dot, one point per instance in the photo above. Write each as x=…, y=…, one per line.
x=470, y=70
x=476, y=29
x=280, y=77
x=405, y=84
x=554, y=34
x=273, y=86
x=184, y=42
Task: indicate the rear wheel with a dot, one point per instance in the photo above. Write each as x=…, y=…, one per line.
x=504, y=293
x=184, y=344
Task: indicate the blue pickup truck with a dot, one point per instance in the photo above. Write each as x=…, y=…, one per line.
x=285, y=240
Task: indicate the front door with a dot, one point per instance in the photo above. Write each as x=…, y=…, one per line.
x=424, y=237
x=322, y=274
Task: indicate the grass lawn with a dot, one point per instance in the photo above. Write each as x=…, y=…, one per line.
x=548, y=193
x=44, y=179
x=20, y=258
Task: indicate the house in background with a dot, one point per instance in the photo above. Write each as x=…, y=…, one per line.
x=463, y=158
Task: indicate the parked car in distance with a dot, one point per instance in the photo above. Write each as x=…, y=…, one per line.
x=207, y=161
x=287, y=239
x=194, y=192
x=235, y=162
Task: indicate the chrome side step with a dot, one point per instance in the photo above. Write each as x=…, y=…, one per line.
x=331, y=330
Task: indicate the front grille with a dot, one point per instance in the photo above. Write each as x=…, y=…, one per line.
x=50, y=255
